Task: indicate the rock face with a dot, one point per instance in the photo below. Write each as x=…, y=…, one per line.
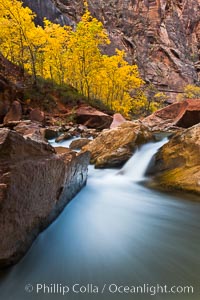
x=182, y=114
x=112, y=148
x=177, y=164
x=35, y=185
x=161, y=36
x=47, y=9
x=93, y=118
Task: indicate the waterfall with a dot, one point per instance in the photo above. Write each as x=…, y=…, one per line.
x=137, y=165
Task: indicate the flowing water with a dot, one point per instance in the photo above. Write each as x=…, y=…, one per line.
x=115, y=233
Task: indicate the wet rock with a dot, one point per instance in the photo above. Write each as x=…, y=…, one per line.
x=52, y=132
x=92, y=118
x=180, y=114
x=14, y=113
x=78, y=144
x=177, y=164
x=63, y=137
x=112, y=148
x=35, y=185
x=90, y=133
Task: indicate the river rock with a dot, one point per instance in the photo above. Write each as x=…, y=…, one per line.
x=78, y=144
x=14, y=113
x=35, y=185
x=93, y=118
x=113, y=147
x=51, y=132
x=180, y=114
x=177, y=164
x=63, y=137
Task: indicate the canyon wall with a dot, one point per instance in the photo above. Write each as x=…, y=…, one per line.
x=161, y=36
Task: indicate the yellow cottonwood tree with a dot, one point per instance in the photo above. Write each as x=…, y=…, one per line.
x=84, y=58
x=116, y=80
x=55, y=51
x=19, y=38
x=72, y=57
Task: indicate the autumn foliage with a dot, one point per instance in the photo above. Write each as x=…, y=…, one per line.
x=70, y=56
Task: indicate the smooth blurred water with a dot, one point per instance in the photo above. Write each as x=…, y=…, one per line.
x=115, y=231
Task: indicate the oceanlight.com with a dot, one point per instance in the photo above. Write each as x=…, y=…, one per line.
x=152, y=290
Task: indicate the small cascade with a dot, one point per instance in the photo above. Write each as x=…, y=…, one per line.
x=137, y=165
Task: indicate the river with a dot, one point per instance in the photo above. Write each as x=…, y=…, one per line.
x=116, y=234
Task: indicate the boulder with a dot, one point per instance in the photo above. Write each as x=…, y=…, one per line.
x=35, y=185
x=93, y=118
x=30, y=130
x=180, y=114
x=118, y=119
x=51, y=132
x=37, y=115
x=113, y=147
x=14, y=113
x=177, y=164
x=78, y=144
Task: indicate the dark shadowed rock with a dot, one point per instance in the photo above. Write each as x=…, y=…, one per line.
x=35, y=185
x=182, y=114
x=93, y=118
x=51, y=132
x=14, y=113
x=177, y=164
x=4, y=107
x=113, y=147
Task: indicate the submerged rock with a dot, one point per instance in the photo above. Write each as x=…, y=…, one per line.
x=177, y=164
x=113, y=147
x=35, y=185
